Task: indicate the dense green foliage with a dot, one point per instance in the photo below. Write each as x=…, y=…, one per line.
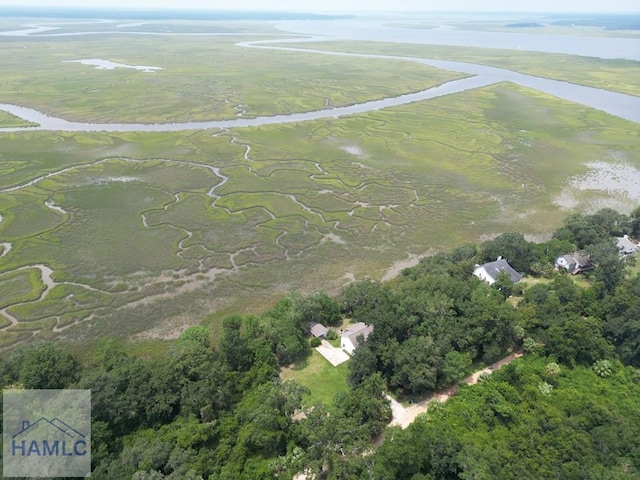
x=567, y=410
x=434, y=321
x=524, y=422
x=429, y=326
x=222, y=413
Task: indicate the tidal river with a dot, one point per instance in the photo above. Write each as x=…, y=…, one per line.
x=383, y=31
x=618, y=104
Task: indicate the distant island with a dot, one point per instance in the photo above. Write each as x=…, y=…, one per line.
x=606, y=21
x=525, y=25
x=161, y=14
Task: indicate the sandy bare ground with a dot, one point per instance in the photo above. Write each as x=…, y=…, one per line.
x=397, y=267
x=405, y=416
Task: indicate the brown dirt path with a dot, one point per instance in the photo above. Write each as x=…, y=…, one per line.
x=404, y=416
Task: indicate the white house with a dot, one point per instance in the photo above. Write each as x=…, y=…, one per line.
x=573, y=263
x=625, y=246
x=350, y=338
x=489, y=271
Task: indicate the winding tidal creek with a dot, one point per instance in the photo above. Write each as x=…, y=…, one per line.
x=618, y=104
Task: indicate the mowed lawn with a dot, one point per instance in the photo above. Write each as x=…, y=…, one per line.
x=323, y=380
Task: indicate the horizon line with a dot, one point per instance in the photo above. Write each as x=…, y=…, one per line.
x=325, y=12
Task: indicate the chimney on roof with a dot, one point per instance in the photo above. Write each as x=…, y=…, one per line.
x=499, y=257
x=25, y=425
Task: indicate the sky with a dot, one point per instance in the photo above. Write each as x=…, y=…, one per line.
x=613, y=6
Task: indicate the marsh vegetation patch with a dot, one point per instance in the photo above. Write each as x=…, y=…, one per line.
x=199, y=80
x=145, y=232
x=616, y=75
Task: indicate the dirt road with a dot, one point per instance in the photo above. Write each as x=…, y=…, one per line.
x=405, y=416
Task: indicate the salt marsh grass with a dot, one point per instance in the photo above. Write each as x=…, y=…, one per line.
x=155, y=231
x=616, y=75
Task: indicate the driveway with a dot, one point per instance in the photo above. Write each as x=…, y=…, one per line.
x=404, y=416
x=336, y=356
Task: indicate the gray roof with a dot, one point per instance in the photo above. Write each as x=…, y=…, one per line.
x=318, y=330
x=496, y=268
x=357, y=330
x=625, y=245
x=574, y=262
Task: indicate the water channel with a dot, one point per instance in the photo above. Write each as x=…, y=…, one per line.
x=377, y=30
x=618, y=104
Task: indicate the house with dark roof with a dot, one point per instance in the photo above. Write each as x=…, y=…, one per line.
x=574, y=263
x=352, y=336
x=489, y=271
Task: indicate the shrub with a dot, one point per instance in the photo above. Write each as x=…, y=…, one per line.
x=545, y=389
x=552, y=369
x=603, y=368
x=529, y=345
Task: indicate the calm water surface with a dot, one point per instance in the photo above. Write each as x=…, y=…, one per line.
x=376, y=30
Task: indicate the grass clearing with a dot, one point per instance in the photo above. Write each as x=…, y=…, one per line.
x=323, y=380
x=634, y=269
